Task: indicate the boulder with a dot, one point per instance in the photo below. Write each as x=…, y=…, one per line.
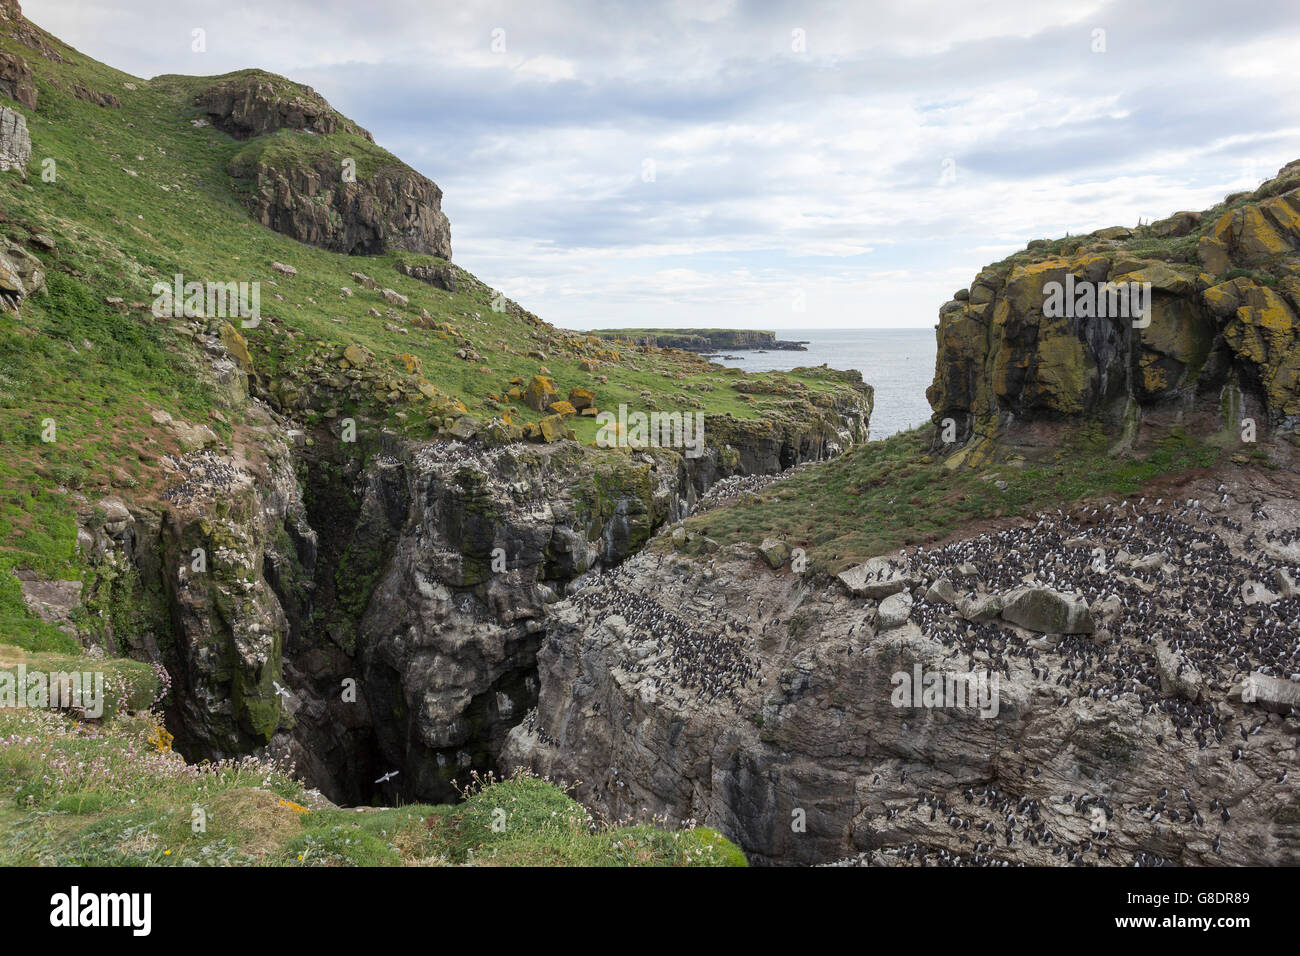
x=774, y=551
x=894, y=611
x=540, y=393
x=1047, y=611
x=1172, y=227
x=942, y=592
x=982, y=607
x=15, y=141
x=878, y=578
x=464, y=428
x=21, y=275
x=501, y=432
x=1112, y=232
x=1107, y=611
x=1273, y=694
x=237, y=346
x=1178, y=677
x=552, y=428
x=581, y=398
x=356, y=356
x=564, y=409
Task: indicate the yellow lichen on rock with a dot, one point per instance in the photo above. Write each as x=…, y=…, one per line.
x=237, y=346
x=539, y=394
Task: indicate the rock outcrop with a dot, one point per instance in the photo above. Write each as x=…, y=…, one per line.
x=254, y=103
x=27, y=33
x=16, y=80
x=1219, y=343
x=15, y=141
x=439, y=274
x=21, y=274
x=391, y=207
x=90, y=95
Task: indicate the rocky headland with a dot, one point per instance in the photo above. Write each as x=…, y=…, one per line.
x=1112, y=682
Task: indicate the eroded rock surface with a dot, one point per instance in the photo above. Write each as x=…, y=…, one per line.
x=768, y=705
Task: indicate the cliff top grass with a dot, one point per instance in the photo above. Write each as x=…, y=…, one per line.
x=113, y=793
x=135, y=195
x=1144, y=240
x=291, y=148
x=887, y=495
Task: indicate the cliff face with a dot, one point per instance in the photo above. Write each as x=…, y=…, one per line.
x=766, y=704
x=360, y=606
x=253, y=104
x=703, y=340
x=1221, y=343
x=360, y=610
x=394, y=208
x=1141, y=717
x=423, y=576
x=314, y=175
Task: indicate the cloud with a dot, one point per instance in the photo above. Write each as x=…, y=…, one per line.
x=686, y=163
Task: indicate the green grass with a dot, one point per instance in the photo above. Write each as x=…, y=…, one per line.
x=114, y=794
x=892, y=494
x=140, y=194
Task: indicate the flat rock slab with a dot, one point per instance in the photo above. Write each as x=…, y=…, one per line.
x=1047, y=611
x=1271, y=693
x=878, y=578
x=894, y=611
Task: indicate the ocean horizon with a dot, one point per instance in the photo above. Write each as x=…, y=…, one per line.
x=898, y=363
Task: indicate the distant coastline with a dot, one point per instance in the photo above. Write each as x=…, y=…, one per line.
x=705, y=341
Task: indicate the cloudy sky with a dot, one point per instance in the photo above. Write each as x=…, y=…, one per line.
x=760, y=164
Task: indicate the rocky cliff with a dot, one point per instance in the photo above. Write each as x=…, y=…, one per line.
x=703, y=340
x=312, y=174
x=1118, y=727
x=1219, y=343
x=253, y=103
x=360, y=608
x=381, y=608
x=335, y=526
x=1114, y=682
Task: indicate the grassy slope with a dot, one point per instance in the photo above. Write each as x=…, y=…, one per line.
x=141, y=194
x=114, y=794
x=886, y=495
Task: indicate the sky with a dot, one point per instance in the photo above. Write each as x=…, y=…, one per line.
x=722, y=163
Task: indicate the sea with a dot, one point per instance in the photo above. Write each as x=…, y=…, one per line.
x=899, y=363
